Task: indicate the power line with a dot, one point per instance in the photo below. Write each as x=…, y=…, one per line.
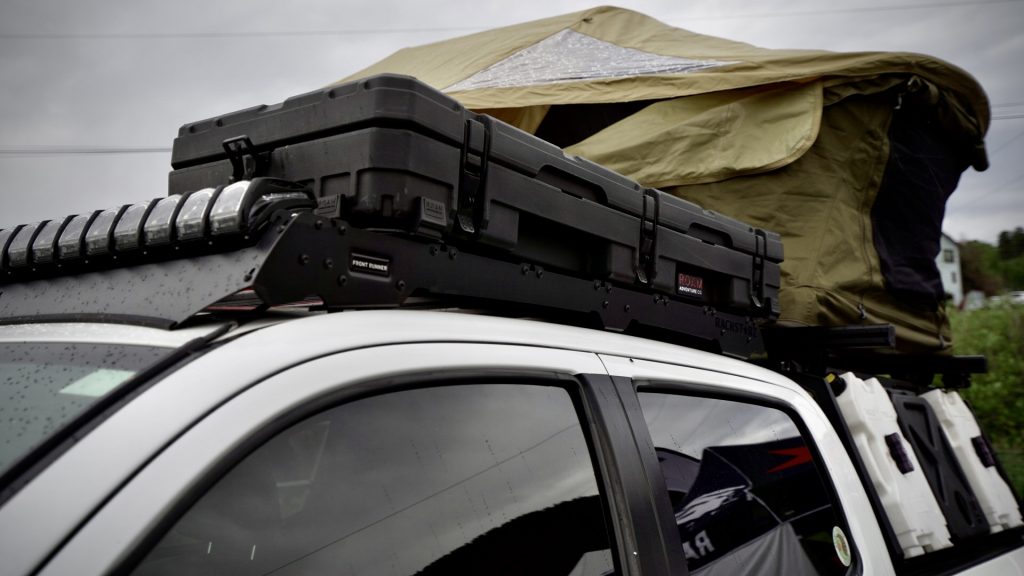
x=57, y=150
x=1005, y=144
x=891, y=8
x=1005, y=185
x=997, y=189
x=416, y=30
x=236, y=34
x=62, y=150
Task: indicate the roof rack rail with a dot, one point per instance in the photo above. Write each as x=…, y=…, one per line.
x=818, y=350
x=283, y=252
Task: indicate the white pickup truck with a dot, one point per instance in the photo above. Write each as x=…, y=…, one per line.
x=241, y=436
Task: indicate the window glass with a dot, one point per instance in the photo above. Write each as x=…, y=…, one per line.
x=45, y=385
x=747, y=494
x=476, y=479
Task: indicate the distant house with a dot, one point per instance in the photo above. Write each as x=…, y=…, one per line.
x=948, y=262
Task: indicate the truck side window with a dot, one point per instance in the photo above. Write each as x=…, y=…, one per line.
x=462, y=479
x=747, y=494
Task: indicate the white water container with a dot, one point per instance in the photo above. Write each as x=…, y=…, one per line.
x=961, y=429
x=901, y=486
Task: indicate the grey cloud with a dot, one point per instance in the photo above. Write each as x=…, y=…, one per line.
x=138, y=91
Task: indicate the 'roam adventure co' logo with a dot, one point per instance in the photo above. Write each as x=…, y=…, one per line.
x=690, y=285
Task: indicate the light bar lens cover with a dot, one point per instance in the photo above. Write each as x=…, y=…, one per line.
x=97, y=239
x=226, y=216
x=17, y=250
x=157, y=229
x=69, y=246
x=5, y=235
x=128, y=231
x=190, y=224
x=42, y=246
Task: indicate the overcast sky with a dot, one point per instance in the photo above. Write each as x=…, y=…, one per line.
x=92, y=93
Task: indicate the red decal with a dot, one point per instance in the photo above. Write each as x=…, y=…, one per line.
x=797, y=456
x=686, y=284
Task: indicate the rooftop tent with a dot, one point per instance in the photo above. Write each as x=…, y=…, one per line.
x=850, y=156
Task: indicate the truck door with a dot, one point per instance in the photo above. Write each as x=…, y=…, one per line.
x=448, y=458
x=750, y=481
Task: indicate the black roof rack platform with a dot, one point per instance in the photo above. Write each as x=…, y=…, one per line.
x=298, y=254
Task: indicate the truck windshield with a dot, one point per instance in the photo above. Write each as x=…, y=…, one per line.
x=44, y=386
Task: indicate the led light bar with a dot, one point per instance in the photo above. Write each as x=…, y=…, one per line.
x=226, y=216
x=17, y=248
x=5, y=237
x=242, y=207
x=156, y=229
x=100, y=232
x=42, y=248
x=128, y=231
x=71, y=243
x=191, y=222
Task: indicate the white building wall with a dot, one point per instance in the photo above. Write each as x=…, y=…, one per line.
x=948, y=262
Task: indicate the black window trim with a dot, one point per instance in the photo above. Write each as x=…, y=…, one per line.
x=589, y=407
x=701, y=390
x=652, y=548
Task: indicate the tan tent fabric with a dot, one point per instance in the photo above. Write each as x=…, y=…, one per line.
x=796, y=141
x=710, y=137
x=830, y=275
x=445, y=63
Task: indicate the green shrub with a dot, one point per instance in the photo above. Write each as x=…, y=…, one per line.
x=998, y=396
x=1013, y=463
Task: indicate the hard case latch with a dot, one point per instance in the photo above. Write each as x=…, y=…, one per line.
x=757, y=278
x=246, y=162
x=646, y=264
x=472, y=212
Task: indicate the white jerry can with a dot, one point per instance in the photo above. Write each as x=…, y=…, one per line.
x=901, y=486
x=961, y=429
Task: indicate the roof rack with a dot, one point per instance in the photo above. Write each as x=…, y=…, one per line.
x=818, y=350
x=383, y=192
x=157, y=266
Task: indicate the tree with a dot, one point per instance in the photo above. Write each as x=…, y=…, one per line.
x=1013, y=273
x=1011, y=244
x=979, y=265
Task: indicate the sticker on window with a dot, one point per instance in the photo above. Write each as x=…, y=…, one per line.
x=98, y=383
x=842, y=545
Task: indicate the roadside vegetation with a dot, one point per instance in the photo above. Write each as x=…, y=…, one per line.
x=997, y=397
x=997, y=332
x=994, y=269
